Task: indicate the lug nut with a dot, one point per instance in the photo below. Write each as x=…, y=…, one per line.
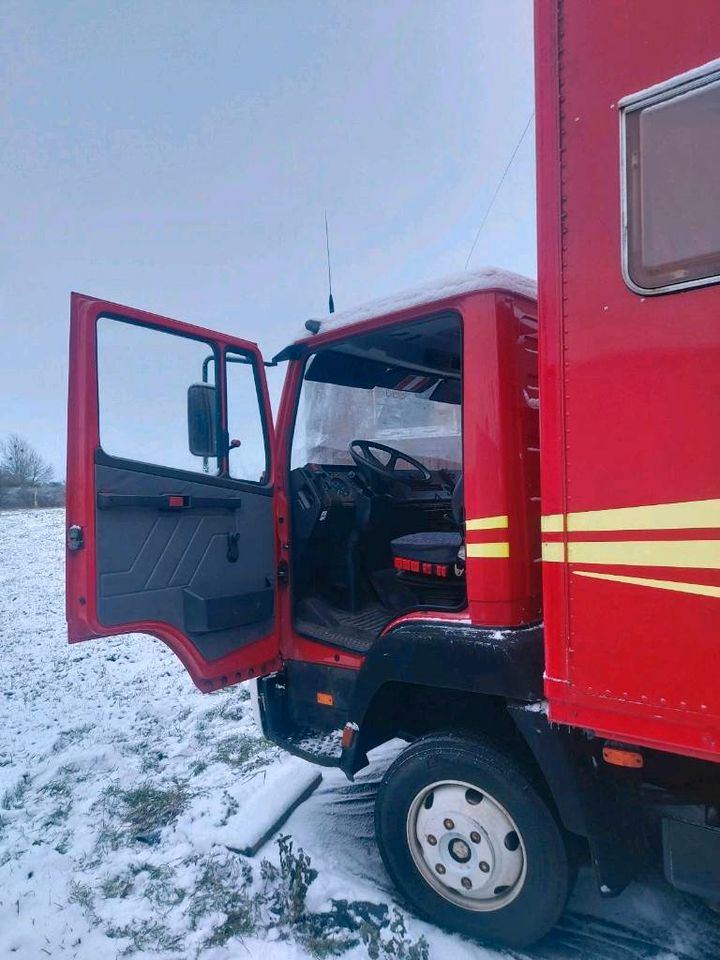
x=484, y=867
x=475, y=837
x=466, y=882
x=432, y=840
x=448, y=824
x=440, y=868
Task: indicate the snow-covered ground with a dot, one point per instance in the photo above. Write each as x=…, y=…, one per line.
x=121, y=787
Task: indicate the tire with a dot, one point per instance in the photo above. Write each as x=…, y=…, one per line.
x=495, y=866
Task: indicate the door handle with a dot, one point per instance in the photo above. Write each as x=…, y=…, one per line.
x=233, y=550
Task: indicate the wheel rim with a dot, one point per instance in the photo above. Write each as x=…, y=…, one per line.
x=466, y=845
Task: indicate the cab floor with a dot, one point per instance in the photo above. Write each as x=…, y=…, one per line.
x=354, y=631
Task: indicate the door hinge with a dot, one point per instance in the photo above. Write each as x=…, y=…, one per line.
x=75, y=537
x=282, y=573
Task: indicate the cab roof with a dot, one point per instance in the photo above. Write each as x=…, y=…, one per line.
x=458, y=284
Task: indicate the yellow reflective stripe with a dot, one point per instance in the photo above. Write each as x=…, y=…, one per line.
x=487, y=523
x=487, y=549
x=648, y=553
x=697, y=514
x=700, y=589
x=552, y=523
x=553, y=552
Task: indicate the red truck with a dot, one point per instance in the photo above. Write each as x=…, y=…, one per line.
x=380, y=560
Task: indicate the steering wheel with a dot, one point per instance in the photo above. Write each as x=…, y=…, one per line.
x=361, y=452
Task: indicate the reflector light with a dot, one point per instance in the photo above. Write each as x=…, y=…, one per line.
x=326, y=699
x=348, y=735
x=623, y=758
x=416, y=566
x=176, y=501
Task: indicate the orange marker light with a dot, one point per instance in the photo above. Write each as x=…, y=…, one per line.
x=623, y=758
x=326, y=699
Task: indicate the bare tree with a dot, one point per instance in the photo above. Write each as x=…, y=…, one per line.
x=21, y=465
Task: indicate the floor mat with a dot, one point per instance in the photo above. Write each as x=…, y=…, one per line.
x=354, y=631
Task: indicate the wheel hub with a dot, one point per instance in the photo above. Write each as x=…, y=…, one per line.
x=466, y=846
x=459, y=850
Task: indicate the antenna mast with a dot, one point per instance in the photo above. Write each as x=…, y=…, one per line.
x=331, y=302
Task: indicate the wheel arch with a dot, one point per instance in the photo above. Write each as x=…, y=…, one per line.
x=425, y=675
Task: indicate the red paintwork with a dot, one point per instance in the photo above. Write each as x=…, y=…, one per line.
x=83, y=440
x=456, y=616
x=630, y=386
x=500, y=362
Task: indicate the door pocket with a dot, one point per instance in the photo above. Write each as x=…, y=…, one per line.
x=206, y=614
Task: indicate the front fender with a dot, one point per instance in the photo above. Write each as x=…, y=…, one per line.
x=502, y=662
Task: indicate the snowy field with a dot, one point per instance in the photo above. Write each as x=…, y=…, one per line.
x=122, y=786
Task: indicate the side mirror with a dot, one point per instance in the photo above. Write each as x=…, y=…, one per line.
x=202, y=435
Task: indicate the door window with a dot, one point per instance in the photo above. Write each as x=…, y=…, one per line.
x=143, y=380
x=247, y=454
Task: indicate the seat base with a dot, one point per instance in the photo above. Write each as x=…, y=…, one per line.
x=427, y=548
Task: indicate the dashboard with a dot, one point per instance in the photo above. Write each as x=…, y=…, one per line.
x=329, y=500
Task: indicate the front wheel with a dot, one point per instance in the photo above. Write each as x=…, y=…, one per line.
x=467, y=838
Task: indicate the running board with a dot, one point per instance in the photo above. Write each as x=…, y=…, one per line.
x=317, y=746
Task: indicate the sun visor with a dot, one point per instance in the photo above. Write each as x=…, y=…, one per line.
x=348, y=370
x=345, y=370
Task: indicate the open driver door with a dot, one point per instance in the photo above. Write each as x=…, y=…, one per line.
x=170, y=519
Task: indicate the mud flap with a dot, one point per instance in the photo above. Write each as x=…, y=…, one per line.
x=691, y=854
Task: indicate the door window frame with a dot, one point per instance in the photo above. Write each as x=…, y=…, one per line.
x=218, y=349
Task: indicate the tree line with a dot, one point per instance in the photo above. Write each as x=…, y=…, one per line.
x=26, y=477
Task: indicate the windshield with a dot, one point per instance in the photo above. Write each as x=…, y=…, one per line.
x=330, y=416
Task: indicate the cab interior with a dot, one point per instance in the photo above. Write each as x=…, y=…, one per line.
x=376, y=481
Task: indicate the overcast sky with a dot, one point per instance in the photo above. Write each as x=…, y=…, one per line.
x=178, y=156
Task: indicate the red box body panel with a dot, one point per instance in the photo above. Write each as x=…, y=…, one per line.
x=630, y=389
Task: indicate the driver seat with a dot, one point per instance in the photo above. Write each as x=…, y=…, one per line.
x=434, y=553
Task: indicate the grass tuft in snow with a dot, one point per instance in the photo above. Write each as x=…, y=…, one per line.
x=154, y=882
x=14, y=797
x=223, y=888
x=69, y=737
x=242, y=750
x=229, y=710
x=146, y=809
x=146, y=935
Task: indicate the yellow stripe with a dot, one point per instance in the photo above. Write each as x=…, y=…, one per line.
x=487, y=523
x=649, y=553
x=487, y=549
x=700, y=589
x=553, y=552
x=552, y=523
x=698, y=514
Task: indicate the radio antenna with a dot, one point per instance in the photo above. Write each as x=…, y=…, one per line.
x=498, y=189
x=331, y=302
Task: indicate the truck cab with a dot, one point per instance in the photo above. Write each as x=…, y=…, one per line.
x=400, y=486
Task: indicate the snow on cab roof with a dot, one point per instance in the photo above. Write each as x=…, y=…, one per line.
x=472, y=281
